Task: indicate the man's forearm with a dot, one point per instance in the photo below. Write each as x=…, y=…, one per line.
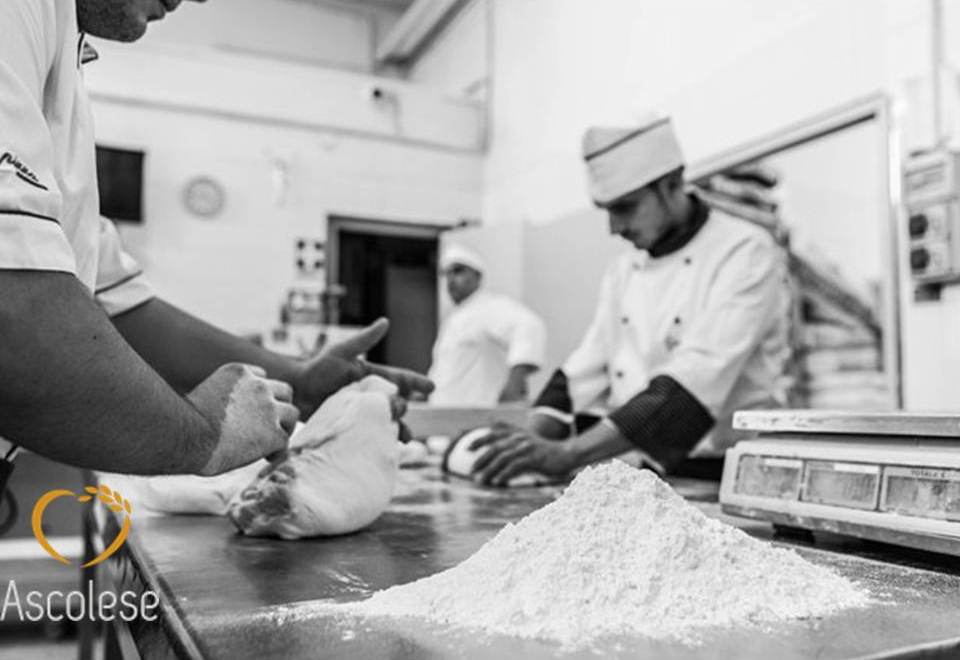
x=515, y=389
x=601, y=442
x=185, y=350
x=74, y=391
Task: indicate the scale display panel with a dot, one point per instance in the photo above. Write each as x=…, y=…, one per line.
x=769, y=476
x=905, y=490
x=841, y=484
x=923, y=492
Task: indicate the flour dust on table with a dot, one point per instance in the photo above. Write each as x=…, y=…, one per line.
x=619, y=553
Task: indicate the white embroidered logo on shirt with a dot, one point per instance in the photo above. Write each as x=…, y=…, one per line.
x=21, y=170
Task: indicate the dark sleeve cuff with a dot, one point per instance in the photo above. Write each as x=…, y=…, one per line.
x=555, y=394
x=664, y=420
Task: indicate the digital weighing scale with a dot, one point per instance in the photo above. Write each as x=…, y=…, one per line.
x=891, y=477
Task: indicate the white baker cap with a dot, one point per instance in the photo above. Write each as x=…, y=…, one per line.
x=458, y=254
x=622, y=160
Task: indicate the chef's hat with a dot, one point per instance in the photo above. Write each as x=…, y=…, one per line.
x=622, y=160
x=458, y=254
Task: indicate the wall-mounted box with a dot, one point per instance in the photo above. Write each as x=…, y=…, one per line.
x=932, y=195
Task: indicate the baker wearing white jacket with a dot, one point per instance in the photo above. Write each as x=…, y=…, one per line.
x=689, y=327
x=488, y=345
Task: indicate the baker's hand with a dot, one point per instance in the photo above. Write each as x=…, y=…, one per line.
x=251, y=415
x=512, y=451
x=398, y=408
x=339, y=365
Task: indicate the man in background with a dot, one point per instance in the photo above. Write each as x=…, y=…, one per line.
x=689, y=327
x=488, y=345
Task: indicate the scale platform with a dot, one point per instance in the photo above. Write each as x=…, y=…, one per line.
x=891, y=477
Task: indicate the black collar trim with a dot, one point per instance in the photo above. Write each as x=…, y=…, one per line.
x=679, y=236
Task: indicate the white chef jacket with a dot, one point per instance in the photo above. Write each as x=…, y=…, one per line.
x=49, y=205
x=713, y=316
x=479, y=341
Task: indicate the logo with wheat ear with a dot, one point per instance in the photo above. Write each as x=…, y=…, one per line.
x=111, y=499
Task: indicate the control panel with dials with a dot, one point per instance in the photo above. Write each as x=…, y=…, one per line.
x=932, y=196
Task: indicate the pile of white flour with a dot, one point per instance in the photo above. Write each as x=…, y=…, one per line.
x=619, y=553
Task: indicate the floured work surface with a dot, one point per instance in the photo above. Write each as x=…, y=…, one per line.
x=241, y=597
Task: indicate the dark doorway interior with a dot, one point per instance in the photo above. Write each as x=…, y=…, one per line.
x=388, y=273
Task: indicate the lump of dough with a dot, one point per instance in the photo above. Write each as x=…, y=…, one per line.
x=184, y=493
x=338, y=474
x=190, y=494
x=459, y=460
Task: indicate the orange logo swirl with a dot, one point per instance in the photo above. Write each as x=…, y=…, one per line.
x=111, y=499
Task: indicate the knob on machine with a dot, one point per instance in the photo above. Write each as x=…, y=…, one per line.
x=919, y=259
x=918, y=225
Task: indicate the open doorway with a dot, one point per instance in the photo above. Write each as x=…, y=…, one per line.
x=388, y=269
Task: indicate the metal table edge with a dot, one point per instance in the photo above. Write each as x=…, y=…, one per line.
x=184, y=639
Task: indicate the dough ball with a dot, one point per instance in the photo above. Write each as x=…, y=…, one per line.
x=459, y=460
x=338, y=475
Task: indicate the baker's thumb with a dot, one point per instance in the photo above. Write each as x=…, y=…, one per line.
x=364, y=340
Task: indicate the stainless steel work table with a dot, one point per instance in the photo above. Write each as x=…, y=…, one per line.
x=231, y=597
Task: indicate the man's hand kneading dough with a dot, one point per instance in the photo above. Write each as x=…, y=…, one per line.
x=339, y=366
x=251, y=414
x=154, y=390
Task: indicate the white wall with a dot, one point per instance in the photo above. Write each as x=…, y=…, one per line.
x=233, y=269
x=236, y=118
x=752, y=67
x=198, y=79
x=456, y=61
